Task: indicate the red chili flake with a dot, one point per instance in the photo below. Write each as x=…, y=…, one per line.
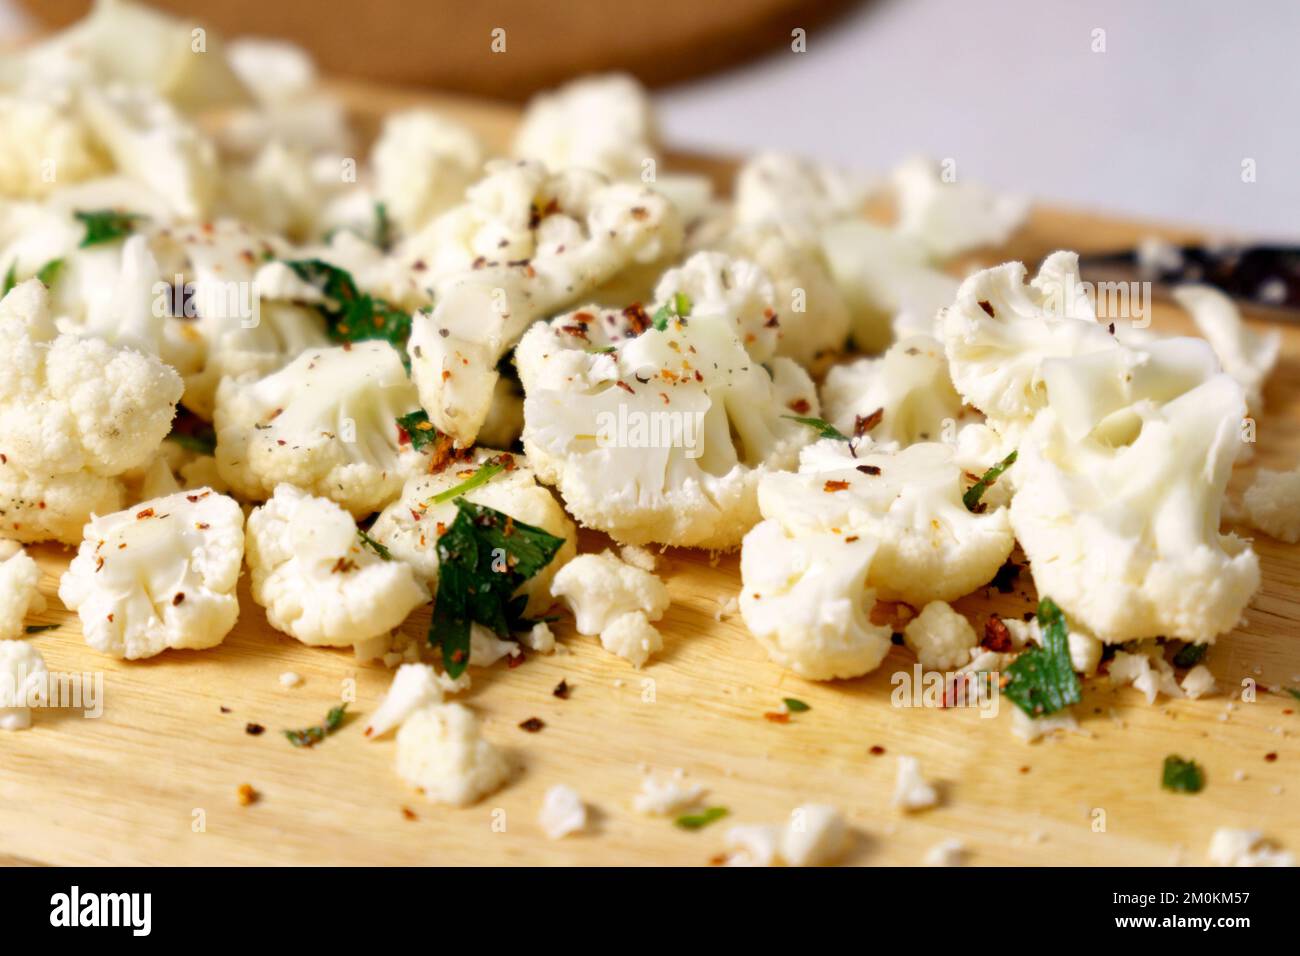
x=777, y=716
x=409, y=814
x=800, y=406
x=636, y=318
x=625, y=387
x=146, y=513
x=1024, y=770
x=225, y=709
x=254, y=730
x=869, y=469
x=514, y=660
x=833, y=486
x=99, y=565
x=864, y=423
x=561, y=690
x=996, y=635
x=1271, y=757
x=246, y=794
x=772, y=320
x=987, y=307
x=877, y=750
x=532, y=725
x=179, y=598
x=640, y=213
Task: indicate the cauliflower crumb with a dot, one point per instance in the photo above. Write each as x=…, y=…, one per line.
x=1149, y=673
x=940, y=637
x=665, y=796
x=911, y=790
x=413, y=687
x=1030, y=729
x=616, y=601
x=1272, y=504
x=23, y=682
x=1233, y=847
x=290, y=679
x=1199, y=682
x=639, y=557
x=441, y=750
x=19, y=592
x=562, y=813
x=540, y=638
x=951, y=852
x=816, y=835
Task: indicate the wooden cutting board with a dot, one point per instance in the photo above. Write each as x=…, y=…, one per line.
x=154, y=780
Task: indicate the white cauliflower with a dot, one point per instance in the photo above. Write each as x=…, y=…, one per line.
x=1233, y=847
x=911, y=790
x=318, y=579
x=1246, y=355
x=941, y=638
x=159, y=575
x=658, y=435
x=1272, y=503
x=74, y=414
x=524, y=245
x=605, y=123
x=615, y=601
x=816, y=835
x=442, y=751
x=46, y=144
x=414, y=686
x=562, y=812
x=19, y=589
x=908, y=385
x=712, y=286
x=423, y=164
x=24, y=683
x=799, y=195
x=950, y=216
x=326, y=422
x=1146, y=670
x=410, y=526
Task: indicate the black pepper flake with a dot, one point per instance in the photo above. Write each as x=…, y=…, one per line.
x=561, y=690
x=254, y=730
x=869, y=469
x=532, y=725
x=897, y=639
x=1006, y=577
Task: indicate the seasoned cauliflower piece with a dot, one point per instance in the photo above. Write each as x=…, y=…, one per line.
x=442, y=751
x=326, y=423
x=615, y=601
x=1246, y=355
x=799, y=195
x=317, y=577
x=806, y=599
x=658, y=435
x=1146, y=670
x=1122, y=530
x=711, y=286
x=605, y=123
x=414, y=686
x=19, y=589
x=159, y=575
x=24, y=681
x=74, y=414
x=409, y=526
x=46, y=145
x=1272, y=504
x=523, y=246
x=908, y=385
x=907, y=502
x=423, y=164
x=941, y=638
x=950, y=216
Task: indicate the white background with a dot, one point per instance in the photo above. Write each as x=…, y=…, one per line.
x=1157, y=126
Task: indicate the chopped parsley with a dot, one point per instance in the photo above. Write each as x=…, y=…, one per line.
x=1294, y=692
x=311, y=736
x=202, y=439
x=11, y=277
x=794, y=705
x=374, y=545
x=350, y=314
x=1189, y=655
x=483, y=558
x=1182, y=776
x=1042, y=679
x=106, y=225
x=49, y=273
x=418, y=428
x=39, y=628
x=383, y=227
x=824, y=428
x=971, y=499
x=678, y=308
x=488, y=471
x=697, y=821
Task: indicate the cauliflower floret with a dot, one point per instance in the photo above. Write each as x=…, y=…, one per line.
x=326, y=422
x=409, y=526
x=423, y=164
x=1232, y=847
x=711, y=286
x=664, y=796
x=562, y=812
x=806, y=599
x=46, y=145
x=19, y=589
x=660, y=436
x=909, y=385
x=1199, y=682
x=414, y=686
x=817, y=835
x=907, y=502
x=1272, y=504
x=605, y=123
x=911, y=790
x=317, y=577
x=1122, y=530
x=940, y=637
x=952, y=217
x=799, y=195
x=74, y=414
x=158, y=575
x=615, y=601
x=24, y=682
x=442, y=751
x=524, y=245
x=1246, y=355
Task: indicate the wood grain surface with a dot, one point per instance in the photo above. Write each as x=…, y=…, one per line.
x=131, y=786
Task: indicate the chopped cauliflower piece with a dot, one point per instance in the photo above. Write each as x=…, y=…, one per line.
x=911, y=790
x=941, y=638
x=19, y=589
x=326, y=423
x=1199, y=682
x=1147, y=671
x=799, y=195
x=605, y=123
x=950, y=852
x=754, y=844
x=1272, y=503
x=562, y=812
x=441, y=750
x=639, y=557
x=540, y=638
x=318, y=579
x=159, y=575
x=1030, y=729
x=908, y=386
x=718, y=287
x=423, y=164
x=816, y=835
x=413, y=687
x=409, y=527
x=1234, y=847
x=664, y=796
x=616, y=601
x=24, y=682
x=950, y=216
x=1246, y=355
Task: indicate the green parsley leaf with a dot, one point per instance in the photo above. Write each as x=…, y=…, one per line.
x=352, y=315
x=487, y=471
x=418, y=428
x=1294, y=692
x=678, y=308
x=1042, y=679
x=795, y=706
x=1189, y=655
x=11, y=278
x=483, y=558
x=106, y=225
x=602, y=349
x=39, y=628
x=975, y=492
x=311, y=736
x=202, y=440
x=383, y=227
x=697, y=821
x=374, y=545
x=824, y=428
x=1182, y=776
x=49, y=273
